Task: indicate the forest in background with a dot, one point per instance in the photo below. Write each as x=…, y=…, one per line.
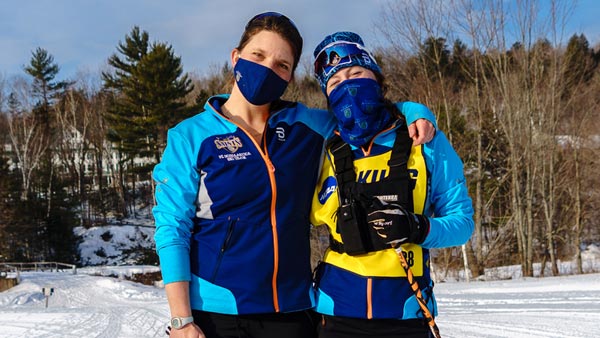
x=518, y=101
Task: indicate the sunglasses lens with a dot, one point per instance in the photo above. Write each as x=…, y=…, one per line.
x=336, y=55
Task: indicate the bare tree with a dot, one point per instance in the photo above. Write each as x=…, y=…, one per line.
x=581, y=126
x=2, y=93
x=26, y=134
x=480, y=29
x=73, y=115
x=423, y=26
x=518, y=86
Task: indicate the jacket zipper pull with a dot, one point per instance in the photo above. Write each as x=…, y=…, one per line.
x=270, y=164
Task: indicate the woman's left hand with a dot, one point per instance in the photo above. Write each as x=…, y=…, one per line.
x=421, y=131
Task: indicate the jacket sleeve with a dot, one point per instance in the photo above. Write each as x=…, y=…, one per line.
x=413, y=111
x=449, y=202
x=176, y=188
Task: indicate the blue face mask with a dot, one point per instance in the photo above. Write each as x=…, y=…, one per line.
x=359, y=110
x=259, y=84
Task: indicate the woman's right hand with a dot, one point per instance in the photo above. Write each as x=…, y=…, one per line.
x=189, y=331
x=178, y=294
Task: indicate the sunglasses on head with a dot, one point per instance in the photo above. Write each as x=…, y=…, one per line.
x=270, y=15
x=338, y=54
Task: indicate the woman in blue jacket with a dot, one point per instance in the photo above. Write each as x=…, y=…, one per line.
x=380, y=196
x=234, y=190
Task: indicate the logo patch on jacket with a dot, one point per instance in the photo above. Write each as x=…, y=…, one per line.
x=232, y=144
x=280, y=133
x=327, y=189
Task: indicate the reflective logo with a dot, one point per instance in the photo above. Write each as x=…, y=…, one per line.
x=280, y=133
x=231, y=143
x=327, y=189
x=388, y=198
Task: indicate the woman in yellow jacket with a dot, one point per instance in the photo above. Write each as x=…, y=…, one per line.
x=377, y=193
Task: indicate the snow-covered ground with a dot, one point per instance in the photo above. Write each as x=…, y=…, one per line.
x=82, y=305
x=558, y=307
x=86, y=305
x=91, y=304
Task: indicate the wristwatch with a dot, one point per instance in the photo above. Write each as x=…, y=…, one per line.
x=179, y=322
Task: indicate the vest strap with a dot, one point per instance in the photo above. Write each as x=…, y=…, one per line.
x=344, y=166
x=351, y=218
x=398, y=164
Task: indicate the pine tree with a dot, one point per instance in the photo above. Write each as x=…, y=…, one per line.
x=43, y=69
x=47, y=196
x=435, y=56
x=46, y=90
x=579, y=63
x=159, y=75
x=148, y=97
x=150, y=91
x=123, y=111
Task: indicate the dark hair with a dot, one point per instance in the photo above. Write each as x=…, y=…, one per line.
x=382, y=83
x=393, y=110
x=277, y=23
x=387, y=103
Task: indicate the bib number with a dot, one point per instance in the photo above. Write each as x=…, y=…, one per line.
x=414, y=257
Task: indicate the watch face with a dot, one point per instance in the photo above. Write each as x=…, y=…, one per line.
x=179, y=322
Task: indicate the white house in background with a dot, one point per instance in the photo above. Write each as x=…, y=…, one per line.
x=110, y=158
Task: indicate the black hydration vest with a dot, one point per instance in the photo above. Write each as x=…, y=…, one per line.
x=355, y=197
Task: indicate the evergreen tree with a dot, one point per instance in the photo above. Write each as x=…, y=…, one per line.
x=461, y=65
x=46, y=90
x=148, y=97
x=48, y=196
x=435, y=57
x=579, y=62
x=123, y=111
x=43, y=69
x=149, y=93
x=160, y=80
x=62, y=241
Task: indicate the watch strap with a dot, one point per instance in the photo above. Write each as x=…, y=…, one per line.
x=179, y=322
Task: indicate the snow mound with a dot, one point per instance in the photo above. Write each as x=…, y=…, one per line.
x=114, y=245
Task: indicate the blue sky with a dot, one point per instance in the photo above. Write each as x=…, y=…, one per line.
x=82, y=34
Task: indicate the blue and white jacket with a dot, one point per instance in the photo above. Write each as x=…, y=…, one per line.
x=232, y=215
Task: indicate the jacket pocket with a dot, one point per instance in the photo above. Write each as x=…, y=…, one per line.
x=224, y=245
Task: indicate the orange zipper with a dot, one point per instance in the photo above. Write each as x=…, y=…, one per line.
x=271, y=171
x=369, y=298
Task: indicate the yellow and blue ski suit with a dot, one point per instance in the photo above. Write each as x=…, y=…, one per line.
x=374, y=285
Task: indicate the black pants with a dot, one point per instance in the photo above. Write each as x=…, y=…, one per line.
x=300, y=324
x=344, y=327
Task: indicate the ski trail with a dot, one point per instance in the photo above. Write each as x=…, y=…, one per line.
x=469, y=328
x=102, y=307
x=84, y=306
x=567, y=308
